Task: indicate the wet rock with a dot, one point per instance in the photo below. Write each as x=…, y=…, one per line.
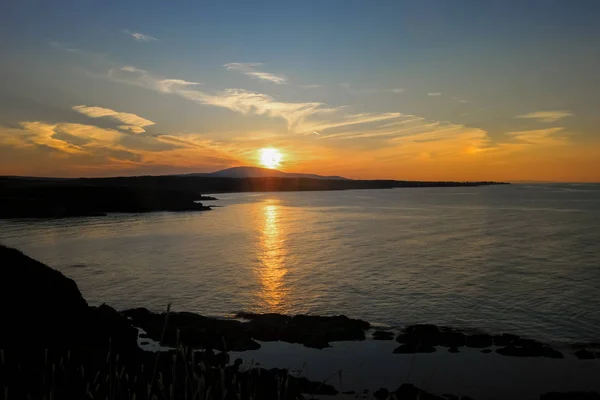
x=504, y=340
x=312, y=331
x=383, y=335
x=408, y=391
x=453, y=349
x=584, y=354
x=551, y=353
x=423, y=333
x=449, y=337
x=381, y=394
x=527, y=343
x=479, y=341
x=410, y=348
x=193, y=330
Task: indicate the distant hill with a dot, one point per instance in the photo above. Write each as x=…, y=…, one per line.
x=256, y=172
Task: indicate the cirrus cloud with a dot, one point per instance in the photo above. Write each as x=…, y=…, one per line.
x=546, y=116
x=249, y=69
x=131, y=122
x=140, y=37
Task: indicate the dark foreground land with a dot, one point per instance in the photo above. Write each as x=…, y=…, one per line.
x=54, y=346
x=56, y=198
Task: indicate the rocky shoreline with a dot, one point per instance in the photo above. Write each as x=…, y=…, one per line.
x=53, y=342
x=199, y=332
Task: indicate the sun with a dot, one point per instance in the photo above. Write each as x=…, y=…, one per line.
x=270, y=157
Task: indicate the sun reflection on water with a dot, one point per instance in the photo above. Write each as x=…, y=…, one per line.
x=272, y=269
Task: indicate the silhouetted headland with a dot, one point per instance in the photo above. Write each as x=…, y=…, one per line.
x=22, y=197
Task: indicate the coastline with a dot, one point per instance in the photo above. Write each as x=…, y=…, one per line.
x=83, y=197
x=393, y=360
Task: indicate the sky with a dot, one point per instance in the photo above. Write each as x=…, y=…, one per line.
x=424, y=90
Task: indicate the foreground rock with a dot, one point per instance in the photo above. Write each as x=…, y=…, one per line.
x=192, y=330
x=423, y=338
x=189, y=329
x=41, y=307
x=311, y=331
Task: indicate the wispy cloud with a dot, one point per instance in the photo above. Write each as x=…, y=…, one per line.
x=131, y=122
x=540, y=136
x=301, y=117
x=250, y=69
x=69, y=138
x=547, y=116
x=142, y=78
x=140, y=37
x=434, y=94
x=74, y=148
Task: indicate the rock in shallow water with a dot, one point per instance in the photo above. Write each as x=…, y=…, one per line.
x=479, y=341
x=193, y=330
x=381, y=394
x=504, y=340
x=312, y=331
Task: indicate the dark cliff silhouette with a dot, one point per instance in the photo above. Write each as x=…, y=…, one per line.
x=43, y=197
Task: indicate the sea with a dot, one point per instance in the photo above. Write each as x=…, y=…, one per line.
x=515, y=258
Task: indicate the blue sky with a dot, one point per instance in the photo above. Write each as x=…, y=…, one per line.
x=404, y=89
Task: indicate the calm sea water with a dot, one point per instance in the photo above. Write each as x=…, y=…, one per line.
x=523, y=259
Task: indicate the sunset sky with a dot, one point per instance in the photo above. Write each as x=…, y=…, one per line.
x=429, y=90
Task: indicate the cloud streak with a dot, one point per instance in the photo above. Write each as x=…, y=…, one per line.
x=539, y=136
x=140, y=37
x=250, y=69
x=140, y=77
x=301, y=117
x=130, y=122
x=546, y=116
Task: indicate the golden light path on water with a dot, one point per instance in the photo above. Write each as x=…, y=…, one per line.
x=272, y=269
